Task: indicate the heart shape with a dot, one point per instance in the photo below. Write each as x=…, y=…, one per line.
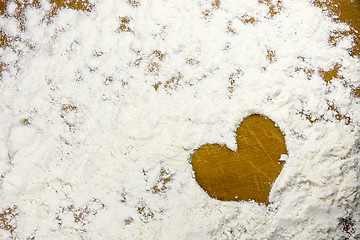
x=248, y=173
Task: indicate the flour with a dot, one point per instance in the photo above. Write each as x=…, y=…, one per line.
x=102, y=109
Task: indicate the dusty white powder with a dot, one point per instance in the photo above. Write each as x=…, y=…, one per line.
x=100, y=112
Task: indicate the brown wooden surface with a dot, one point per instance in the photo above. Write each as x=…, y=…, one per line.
x=248, y=173
x=209, y=160
x=347, y=11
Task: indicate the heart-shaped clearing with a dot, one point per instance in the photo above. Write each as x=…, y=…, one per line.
x=248, y=173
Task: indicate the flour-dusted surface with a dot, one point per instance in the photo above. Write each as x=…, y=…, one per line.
x=100, y=111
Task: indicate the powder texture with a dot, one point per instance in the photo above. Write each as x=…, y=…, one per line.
x=101, y=109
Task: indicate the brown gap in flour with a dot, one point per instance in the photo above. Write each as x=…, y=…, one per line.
x=4, y=39
x=133, y=3
x=330, y=107
x=66, y=109
x=192, y=61
x=174, y=81
x=345, y=11
x=2, y=68
x=110, y=79
x=21, y=7
x=308, y=71
x=3, y=4
x=305, y=67
x=77, y=5
x=331, y=74
x=356, y=92
x=124, y=24
x=154, y=59
x=348, y=225
x=25, y=122
x=128, y=220
x=4, y=42
x=80, y=213
x=172, y=84
x=336, y=36
x=8, y=219
x=246, y=19
x=124, y=196
x=177, y=79
x=145, y=213
x=31, y=237
x=161, y=33
x=229, y=28
x=158, y=54
x=163, y=181
x=334, y=73
x=233, y=80
x=338, y=115
x=214, y=6
x=273, y=8
x=271, y=55
x=153, y=67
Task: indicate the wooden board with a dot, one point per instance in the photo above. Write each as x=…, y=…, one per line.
x=227, y=161
x=248, y=173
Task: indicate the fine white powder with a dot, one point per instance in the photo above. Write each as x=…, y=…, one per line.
x=101, y=110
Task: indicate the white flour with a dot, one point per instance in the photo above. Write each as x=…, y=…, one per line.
x=100, y=112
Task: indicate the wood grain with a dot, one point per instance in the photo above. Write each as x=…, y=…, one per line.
x=248, y=173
